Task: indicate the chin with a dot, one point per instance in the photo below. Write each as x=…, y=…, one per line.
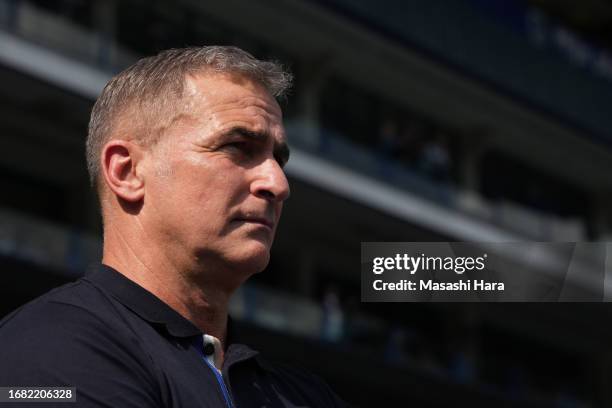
x=252, y=258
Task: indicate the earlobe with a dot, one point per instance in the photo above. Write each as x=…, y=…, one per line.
x=120, y=160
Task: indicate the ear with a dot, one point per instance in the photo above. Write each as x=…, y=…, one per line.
x=121, y=171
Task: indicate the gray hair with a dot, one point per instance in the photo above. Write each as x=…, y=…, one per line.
x=143, y=100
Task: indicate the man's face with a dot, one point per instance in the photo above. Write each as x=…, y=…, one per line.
x=215, y=185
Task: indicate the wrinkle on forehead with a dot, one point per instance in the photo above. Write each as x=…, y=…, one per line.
x=226, y=88
x=218, y=101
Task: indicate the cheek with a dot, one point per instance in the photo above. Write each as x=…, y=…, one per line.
x=211, y=189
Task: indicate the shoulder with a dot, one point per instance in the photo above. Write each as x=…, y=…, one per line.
x=68, y=337
x=45, y=315
x=55, y=314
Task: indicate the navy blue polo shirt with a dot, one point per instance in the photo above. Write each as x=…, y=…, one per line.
x=121, y=346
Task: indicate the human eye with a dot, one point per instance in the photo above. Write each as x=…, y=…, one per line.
x=239, y=147
x=235, y=145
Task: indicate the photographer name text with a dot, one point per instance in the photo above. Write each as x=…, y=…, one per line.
x=432, y=285
x=411, y=265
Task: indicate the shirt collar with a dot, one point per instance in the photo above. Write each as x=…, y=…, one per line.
x=141, y=301
x=152, y=309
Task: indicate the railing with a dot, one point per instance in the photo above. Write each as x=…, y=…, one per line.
x=45, y=244
x=340, y=150
x=61, y=35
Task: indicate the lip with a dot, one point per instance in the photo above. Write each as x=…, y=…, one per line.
x=256, y=220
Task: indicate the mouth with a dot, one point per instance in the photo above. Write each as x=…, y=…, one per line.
x=258, y=221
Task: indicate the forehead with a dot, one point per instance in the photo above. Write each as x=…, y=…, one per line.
x=230, y=94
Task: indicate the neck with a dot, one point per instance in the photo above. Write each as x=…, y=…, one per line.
x=185, y=290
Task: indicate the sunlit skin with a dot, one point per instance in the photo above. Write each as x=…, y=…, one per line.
x=193, y=216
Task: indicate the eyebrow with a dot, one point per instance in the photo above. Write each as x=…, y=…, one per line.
x=281, y=150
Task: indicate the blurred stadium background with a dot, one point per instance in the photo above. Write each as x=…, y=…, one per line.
x=422, y=120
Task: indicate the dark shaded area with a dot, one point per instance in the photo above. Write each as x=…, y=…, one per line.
x=505, y=178
x=23, y=281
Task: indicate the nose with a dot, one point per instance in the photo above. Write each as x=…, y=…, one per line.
x=270, y=182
